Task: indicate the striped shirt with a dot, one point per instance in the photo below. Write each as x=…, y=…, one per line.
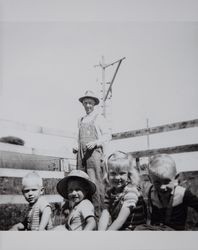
x=34, y=213
x=114, y=202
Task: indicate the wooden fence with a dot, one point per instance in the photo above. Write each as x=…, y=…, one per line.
x=16, y=161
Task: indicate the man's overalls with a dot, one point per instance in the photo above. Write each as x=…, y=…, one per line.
x=90, y=161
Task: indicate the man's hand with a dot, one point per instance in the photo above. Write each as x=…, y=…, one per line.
x=75, y=150
x=91, y=145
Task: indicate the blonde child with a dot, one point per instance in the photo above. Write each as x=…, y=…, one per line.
x=39, y=212
x=167, y=201
x=125, y=208
x=78, y=189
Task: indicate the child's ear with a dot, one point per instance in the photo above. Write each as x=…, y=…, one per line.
x=129, y=176
x=42, y=190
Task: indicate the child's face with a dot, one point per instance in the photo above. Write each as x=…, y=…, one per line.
x=76, y=191
x=32, y=191
x=163, y=186
x=118, y=176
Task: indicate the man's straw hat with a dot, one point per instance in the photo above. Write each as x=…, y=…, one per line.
x=90, y=94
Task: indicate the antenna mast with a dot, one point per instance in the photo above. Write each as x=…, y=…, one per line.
x=105, y=94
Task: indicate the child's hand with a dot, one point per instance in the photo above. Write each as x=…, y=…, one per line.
x=17, y=227
x=170, y=186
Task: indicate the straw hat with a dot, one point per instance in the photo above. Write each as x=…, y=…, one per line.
x=90, y=94
x=62, y=185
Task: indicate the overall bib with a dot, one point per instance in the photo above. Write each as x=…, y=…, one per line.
x=90, y=161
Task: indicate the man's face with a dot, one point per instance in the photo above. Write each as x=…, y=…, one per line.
x=88, y=104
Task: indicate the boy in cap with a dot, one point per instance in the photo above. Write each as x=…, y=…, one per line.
x=78, y=189
x=93, y=137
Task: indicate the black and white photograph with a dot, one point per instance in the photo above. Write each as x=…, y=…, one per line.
x=98, y=124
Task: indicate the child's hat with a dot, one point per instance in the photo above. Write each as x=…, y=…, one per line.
x=62, y=185
x=90, y=94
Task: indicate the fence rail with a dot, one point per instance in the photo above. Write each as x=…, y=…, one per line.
x=36, y=129
x=168, y=150
x=155, y=130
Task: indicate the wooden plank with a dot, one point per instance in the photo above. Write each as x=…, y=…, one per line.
x=10, y=172
x=19, y=199
x=5, y=147
x=25, y=161
x=168, y=150
x=13, y=185
x=155, y=130
x=36, y=129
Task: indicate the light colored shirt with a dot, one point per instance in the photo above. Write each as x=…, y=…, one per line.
x=79, y=214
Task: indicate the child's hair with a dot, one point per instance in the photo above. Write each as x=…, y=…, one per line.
x=121, y=159
x=162, y=166
x=33, y=176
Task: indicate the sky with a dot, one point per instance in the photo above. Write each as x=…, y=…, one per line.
x=49, y=50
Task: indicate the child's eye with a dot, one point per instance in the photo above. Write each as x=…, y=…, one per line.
x=26, y=191
x=123, y=173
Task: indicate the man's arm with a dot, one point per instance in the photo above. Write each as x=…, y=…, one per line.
x=104, y=133
x=45, y=218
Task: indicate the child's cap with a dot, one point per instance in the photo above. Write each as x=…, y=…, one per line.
x=163, y=166
x=75, y=175
x=32, y=177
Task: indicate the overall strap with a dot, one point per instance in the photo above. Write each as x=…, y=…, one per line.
x=149, y=204
x=169, y=208
x=92, y=121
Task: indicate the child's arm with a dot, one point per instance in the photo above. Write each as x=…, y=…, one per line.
x=45, y=218
x=130, y=200
x=90, y=224
x=17, y=227
x=120, y=220
x=104, y=220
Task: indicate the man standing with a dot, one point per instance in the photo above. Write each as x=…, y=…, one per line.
x=93, y=137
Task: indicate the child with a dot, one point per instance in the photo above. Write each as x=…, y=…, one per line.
x=125, y=208
x=167, y=201
x=78, y=189
x=39, y=212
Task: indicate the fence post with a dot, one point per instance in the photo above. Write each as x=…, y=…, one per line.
x=138, y=164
